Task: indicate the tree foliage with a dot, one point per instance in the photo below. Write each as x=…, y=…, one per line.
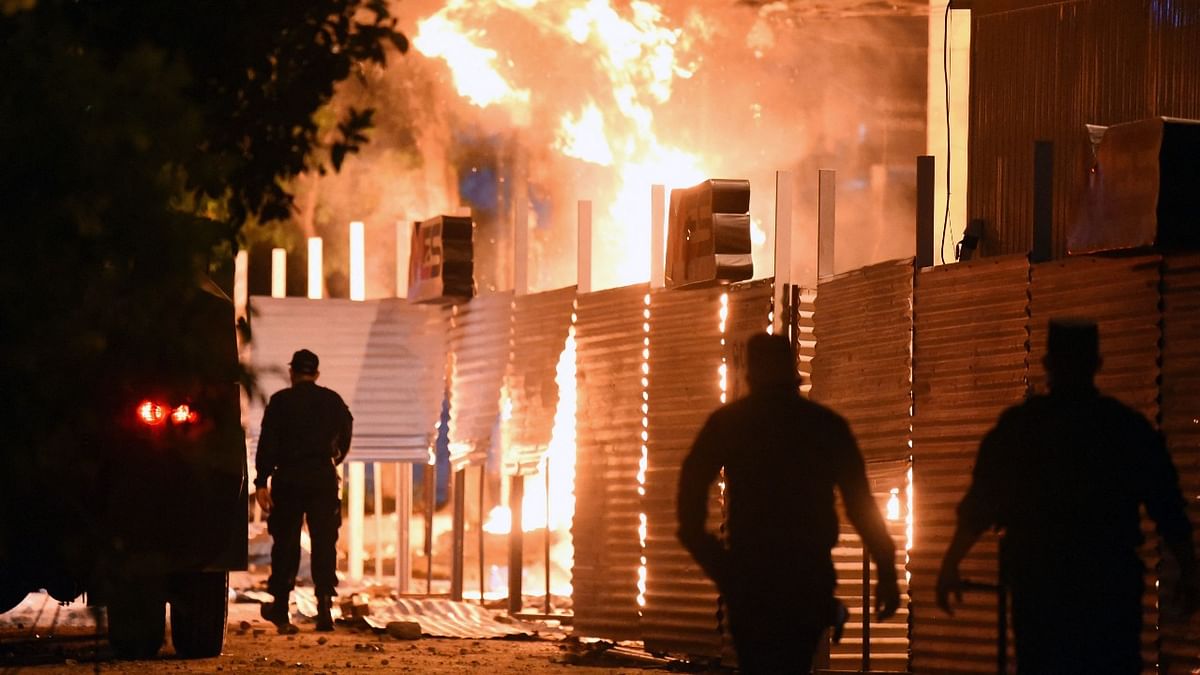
x=138, y=139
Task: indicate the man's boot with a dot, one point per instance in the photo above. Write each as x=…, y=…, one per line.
x=277, y=613
x=324, y=618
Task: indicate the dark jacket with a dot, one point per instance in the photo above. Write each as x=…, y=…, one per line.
x=783, y=455
x=1064, y=475
x=304, y=427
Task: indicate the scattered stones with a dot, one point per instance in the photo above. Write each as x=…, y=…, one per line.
x=245, y=625
x=322, y=640
x=259, y=632
x=383, y=662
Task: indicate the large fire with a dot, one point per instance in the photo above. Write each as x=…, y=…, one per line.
x=636, y=57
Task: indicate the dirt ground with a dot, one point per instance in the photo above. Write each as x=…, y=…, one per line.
x=253, y=646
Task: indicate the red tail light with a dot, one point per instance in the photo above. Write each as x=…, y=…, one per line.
x=151, y=413
x=184, y=415
x=156, y=414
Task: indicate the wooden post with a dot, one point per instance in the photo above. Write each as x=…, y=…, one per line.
x=316, y=279
x=404, y=508
x=584, y=251
x=403, y=251
x=279, y=273
x=356, y=486
x=926, y=219
x=1043, y=201
x=658, y=262
x=826, y=221
x=516, y=544
x=783, y=251
x=460, y=513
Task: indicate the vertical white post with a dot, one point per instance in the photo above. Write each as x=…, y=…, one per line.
x=241, y=298
x=316, y=278
x=657, y=240
x=377, y=488
x=356, y=485
x=521, y=245
x=949, y=59
x=783, y=248
x=826, y=221
x=241, y=283
x=404, y=508
x=279, y=273
x=403, y=251
x=584, y=258
x=358, y=274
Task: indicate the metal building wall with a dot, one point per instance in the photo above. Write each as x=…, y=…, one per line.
x=479, y=336
x=862, y=368
x=685, y=359
x=970, y=341
x=540, y=323
x=609, y=343
x=1122, y=297
x=1180, y=412
x=385, y=358
x=1042, y=69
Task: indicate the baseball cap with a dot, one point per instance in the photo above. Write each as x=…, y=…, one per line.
x=304, y=362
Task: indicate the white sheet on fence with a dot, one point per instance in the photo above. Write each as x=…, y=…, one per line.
x=385, y=357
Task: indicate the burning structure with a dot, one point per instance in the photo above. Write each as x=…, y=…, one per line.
x=600, y=386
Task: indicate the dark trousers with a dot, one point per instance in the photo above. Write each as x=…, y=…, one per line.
x=768, y=639
x=298, y=498
x=1097, y=632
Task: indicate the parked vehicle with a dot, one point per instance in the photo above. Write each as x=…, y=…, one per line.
x=151, y=510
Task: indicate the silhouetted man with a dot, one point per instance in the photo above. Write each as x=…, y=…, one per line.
x=306, y=432
x=782, y=455
x=1063, y=475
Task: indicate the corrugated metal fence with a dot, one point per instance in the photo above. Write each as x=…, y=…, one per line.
x=479, y=343
x=970, y=347
x=609, y=341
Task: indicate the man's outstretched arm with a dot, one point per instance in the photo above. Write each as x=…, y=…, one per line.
x=864, y=514
x=699, y=470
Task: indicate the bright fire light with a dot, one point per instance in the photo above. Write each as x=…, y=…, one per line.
x=644, y=460
x=637, y=55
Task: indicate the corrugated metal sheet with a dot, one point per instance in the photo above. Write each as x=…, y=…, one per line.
x=889, y=644
x=685, y=359
x=539, y=331
x=609, y=342
x=1082, y=62
x=479, y=335
x=385, y=358
x=1122, y=297
x=862, y=367
x=748, y=313
x=1181, y=424
x=970, y=339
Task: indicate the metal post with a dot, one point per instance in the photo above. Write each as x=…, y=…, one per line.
x=377, y=487
x=482, y=517
x=430, y=486
x=516, y=544
x=866, y=610
x=547, y=540
x=926, y=182
x=404, y=480
x=783, y=251
x=584, y=251
x=657, y=240
x=356, y=483
x=826, y=221
x=460, y=509
x=1043, y=201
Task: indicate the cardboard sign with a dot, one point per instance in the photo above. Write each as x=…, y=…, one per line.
x=441, y=264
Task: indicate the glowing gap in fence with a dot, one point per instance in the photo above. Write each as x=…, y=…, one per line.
x=644, y=460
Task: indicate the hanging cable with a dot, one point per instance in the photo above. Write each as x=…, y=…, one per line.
x=946, y=79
